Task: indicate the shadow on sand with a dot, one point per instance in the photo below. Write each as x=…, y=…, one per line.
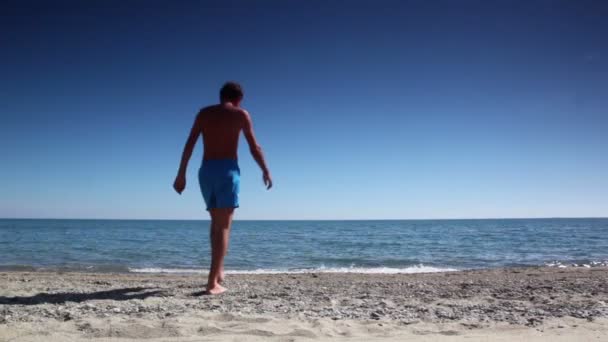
x=62, y=297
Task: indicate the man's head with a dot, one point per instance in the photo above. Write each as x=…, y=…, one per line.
x=231, y=92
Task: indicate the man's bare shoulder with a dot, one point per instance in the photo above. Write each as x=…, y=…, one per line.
x=207, y=109
x=243, y=112
x=244, y=117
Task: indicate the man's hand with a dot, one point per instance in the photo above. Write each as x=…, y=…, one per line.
x=267, y=180
x=180, y=183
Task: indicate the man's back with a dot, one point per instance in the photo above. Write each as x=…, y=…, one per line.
x=221, y=126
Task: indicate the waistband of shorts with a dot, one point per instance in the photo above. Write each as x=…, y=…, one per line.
x=220, y=163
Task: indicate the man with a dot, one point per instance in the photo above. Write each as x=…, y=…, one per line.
x=220, y=125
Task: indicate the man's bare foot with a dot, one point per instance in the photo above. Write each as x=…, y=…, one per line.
x=218, y=289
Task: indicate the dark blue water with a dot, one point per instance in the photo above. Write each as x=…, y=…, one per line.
x=267, y=246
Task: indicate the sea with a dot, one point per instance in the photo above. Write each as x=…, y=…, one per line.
x=383, y=246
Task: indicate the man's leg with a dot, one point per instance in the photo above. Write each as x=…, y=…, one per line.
x=212, y=237
x=211, y=241
x=221, y=219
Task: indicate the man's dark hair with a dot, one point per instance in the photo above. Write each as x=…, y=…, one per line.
x=231, y=91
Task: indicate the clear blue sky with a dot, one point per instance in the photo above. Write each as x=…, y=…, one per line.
x=365, y=109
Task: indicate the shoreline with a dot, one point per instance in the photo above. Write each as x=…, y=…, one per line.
x=204, y=271
x=529, y=299
x=414, y=269
x=314, y=220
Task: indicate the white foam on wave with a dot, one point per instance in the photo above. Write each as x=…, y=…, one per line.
x=590, y=264
x=365, y=270
x=167, y=270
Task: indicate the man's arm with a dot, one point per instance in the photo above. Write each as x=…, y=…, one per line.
x=256, y=150
x=180, y=180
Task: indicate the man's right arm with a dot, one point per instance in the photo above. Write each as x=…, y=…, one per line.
x=180, y=180
x=256, y=150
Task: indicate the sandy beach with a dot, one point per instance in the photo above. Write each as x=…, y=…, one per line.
x=532, y=304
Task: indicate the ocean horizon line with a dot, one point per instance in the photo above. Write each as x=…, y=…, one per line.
x=312, y=220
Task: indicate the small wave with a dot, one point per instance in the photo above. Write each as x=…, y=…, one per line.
x=167, y=270
x=367, y=270
x=67, y=268
x=17, y=268
x=560, y=264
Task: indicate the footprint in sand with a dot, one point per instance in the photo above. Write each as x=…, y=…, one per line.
x=302, y=333
x=132, y=331
x=255, y=319
x=429, y=332
x=209, y=330
x=226, y=317
x=258, y=332
x=449, y=332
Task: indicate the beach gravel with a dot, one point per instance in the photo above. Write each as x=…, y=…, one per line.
x=519, y=296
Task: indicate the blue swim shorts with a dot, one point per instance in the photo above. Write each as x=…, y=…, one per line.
x=220, y=182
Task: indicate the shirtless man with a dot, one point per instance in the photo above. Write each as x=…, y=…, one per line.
x=220, y=125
